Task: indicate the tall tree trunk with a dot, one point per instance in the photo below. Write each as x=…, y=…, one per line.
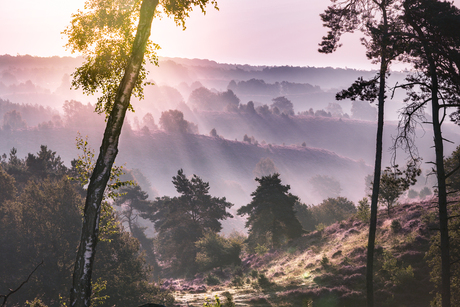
x=375, y=195
x=442, y=191
x=377, y=168
x=440, y=171
x=80, y=294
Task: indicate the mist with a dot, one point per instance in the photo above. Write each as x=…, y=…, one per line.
x=239, y=125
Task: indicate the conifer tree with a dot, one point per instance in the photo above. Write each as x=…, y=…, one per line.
x=271, y=215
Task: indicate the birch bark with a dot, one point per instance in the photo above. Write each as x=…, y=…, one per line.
x=80, y=294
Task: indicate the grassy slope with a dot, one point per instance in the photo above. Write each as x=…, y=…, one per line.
x=298, y=271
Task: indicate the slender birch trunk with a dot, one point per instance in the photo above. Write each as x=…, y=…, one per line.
x=80, y=294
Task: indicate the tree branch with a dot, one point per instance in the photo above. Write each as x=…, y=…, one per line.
x=5, y=296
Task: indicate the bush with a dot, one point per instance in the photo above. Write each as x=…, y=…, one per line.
x=264, y=282
x=403, y=275
x=333, y=210
x=215, y=250
x=398, y=274
x=261, y=249
x=238, y=271
x=212, y=280
x=325, y=262
x=237, y=281
x=320, y=227
x=395, y=226
x=364, y=211
x=36, y=303
x=228, y=299
x=217, y=303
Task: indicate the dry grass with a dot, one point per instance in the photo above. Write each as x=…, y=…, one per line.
x=329, y=266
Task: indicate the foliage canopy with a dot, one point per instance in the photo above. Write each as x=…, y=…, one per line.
x=271, y=215
x=182, y=221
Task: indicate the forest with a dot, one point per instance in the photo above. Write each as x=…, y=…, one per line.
x=133, y=180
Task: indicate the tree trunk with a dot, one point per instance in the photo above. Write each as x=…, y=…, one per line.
x=377, y=171
x=442, y=191
x=440, y=171
x=80, y=294
x=375, y=196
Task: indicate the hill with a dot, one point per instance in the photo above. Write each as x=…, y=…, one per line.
x=328, y=267
x=228, y=165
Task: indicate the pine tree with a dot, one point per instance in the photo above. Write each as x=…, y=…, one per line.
x=271, y=213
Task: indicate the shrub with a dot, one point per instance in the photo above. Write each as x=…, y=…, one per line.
x=307, y=302
x=212, y=280
x=398, y=274
x=425, y=192
x=291, y=250
x=36, y=303
x=207, y=303
x=395, y=226
x=228, y=299
x=364, y=211
x=261, y=249
x=403, y=275
x=325, y=261
x=320, y=227
x=333, y=210
x=237, y=281
x=215, y=250
x=264, y=282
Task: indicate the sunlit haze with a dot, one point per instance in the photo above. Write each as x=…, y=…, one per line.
x=242, y=31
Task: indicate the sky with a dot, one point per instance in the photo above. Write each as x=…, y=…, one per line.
x=256, y=32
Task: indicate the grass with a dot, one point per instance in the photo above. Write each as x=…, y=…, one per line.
x=327, y=268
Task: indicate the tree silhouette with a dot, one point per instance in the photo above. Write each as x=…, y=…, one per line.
x=433, y=49
x=271, y=215
x=394, y=182
x=173, y=121
x=182, y=221
x=377, y=19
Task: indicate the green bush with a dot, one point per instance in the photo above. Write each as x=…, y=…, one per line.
x=212, y=280
x=228, y=299
x=320, y=227
x=214, y=250
x=403, y=275
x=208, y=303
x=325, y=262
x=36, y=303
x=261, y=249
x=395, y=226
x=237, y=281
x=398, y=274
x=263, y=281
x=364, y=211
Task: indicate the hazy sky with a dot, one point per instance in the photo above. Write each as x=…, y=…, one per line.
x=258, y=32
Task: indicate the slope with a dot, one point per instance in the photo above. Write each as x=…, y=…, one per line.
x=327, y=268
